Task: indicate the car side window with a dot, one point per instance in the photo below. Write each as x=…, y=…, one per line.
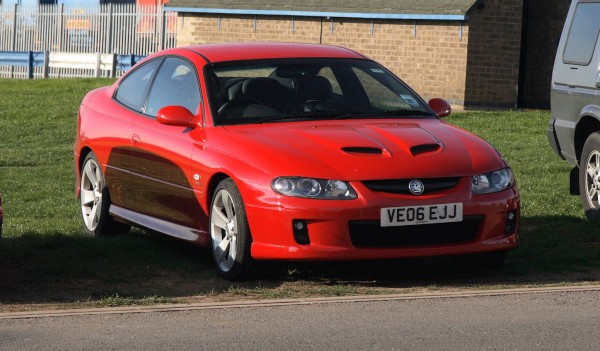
x=176, y=84
x=132, y=90
x=583, y=34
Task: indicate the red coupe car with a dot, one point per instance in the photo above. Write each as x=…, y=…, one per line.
x=266, y=151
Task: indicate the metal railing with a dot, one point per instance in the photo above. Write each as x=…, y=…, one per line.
x=95, y=64
x=109, y=29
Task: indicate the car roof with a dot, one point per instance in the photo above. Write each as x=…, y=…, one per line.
x=253, y=51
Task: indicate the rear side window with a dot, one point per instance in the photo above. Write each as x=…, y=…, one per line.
x=583, y=34
x=133, y=88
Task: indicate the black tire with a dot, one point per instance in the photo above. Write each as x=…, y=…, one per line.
x=589, y=177
x=95, y=201
x=230, y=233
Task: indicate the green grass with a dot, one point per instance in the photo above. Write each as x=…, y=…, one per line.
x=46, y=258
x=118, y=301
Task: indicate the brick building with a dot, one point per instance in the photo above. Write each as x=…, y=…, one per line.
x=466, y=51
x=543, y=23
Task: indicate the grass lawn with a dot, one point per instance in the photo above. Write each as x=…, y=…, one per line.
x=46, y=259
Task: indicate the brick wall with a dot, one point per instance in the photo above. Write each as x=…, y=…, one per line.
x=429, y=56
x=196, y=29
x=472, y=62
x=544, y=26
x=494, y=53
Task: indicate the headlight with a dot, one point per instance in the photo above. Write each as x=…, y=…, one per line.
x=492, y=182
x=314, y=188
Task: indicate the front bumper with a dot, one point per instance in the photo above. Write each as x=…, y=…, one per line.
x=350, y=230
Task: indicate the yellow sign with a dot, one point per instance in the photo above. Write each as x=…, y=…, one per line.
x=78, y=24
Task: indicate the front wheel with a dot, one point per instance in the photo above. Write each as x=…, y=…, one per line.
x=589, y=177
x=230, y=232
x=95, y=201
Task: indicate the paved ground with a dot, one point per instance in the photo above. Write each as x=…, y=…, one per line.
x=540, y=319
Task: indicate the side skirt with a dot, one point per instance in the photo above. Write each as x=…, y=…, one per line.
x=175, y=230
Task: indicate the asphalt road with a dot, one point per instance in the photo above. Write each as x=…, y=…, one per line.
x=557, y=320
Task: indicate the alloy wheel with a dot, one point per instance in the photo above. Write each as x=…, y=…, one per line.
x=91, y=194
x=224, y=230
x=592, y=186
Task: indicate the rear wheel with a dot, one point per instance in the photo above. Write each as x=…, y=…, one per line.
x=95, y=201
x=589, y=177
x=230, y=233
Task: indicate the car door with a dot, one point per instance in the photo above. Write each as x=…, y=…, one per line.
x=130, y=97
x=161, y=157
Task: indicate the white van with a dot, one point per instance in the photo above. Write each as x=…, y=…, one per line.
x=574, y=129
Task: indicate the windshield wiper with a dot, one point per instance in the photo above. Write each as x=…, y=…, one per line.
x=337, y=115
x=285, y=119
x=316, y=115
x=407, y=113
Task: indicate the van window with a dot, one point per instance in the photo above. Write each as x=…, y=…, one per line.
x=583, y=34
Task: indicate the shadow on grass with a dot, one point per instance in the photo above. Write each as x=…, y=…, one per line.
x=59, y=267
x=552, y=250
x=67, y=267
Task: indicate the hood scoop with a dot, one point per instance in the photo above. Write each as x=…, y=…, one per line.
x=424, y=149
x=363, y=150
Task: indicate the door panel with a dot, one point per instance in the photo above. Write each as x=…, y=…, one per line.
x=160, y=173
x=118, y=115
x=161, y=157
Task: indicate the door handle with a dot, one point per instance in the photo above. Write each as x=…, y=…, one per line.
x=135, y=139
x=598, y=81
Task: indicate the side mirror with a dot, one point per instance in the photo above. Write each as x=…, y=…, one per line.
x=440, y=107
x=176, y=116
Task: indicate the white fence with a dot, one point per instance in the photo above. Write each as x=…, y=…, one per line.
x=110, y=28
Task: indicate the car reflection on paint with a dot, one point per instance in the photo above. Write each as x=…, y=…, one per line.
x=269, y=151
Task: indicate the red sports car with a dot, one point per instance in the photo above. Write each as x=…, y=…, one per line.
x=269, y=151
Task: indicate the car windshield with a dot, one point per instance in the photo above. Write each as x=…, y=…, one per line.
x=270, y=91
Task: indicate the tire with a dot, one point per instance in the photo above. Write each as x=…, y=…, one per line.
x=95, y=201
x=230, y=233
x=589, y=177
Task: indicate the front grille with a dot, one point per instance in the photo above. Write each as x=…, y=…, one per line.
x=400, y=186
x=371, y=234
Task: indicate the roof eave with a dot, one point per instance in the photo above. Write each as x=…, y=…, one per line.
x=385, y=16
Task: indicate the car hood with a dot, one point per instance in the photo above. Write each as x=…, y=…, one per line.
x=359, y=149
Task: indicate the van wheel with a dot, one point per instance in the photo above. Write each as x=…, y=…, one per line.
x=589, y=177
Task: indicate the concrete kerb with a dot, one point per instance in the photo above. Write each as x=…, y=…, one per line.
x=291, y=302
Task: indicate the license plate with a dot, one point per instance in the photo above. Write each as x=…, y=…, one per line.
x=416, y=215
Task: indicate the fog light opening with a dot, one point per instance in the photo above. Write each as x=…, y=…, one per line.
x=300, y=230
x=511, y=222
